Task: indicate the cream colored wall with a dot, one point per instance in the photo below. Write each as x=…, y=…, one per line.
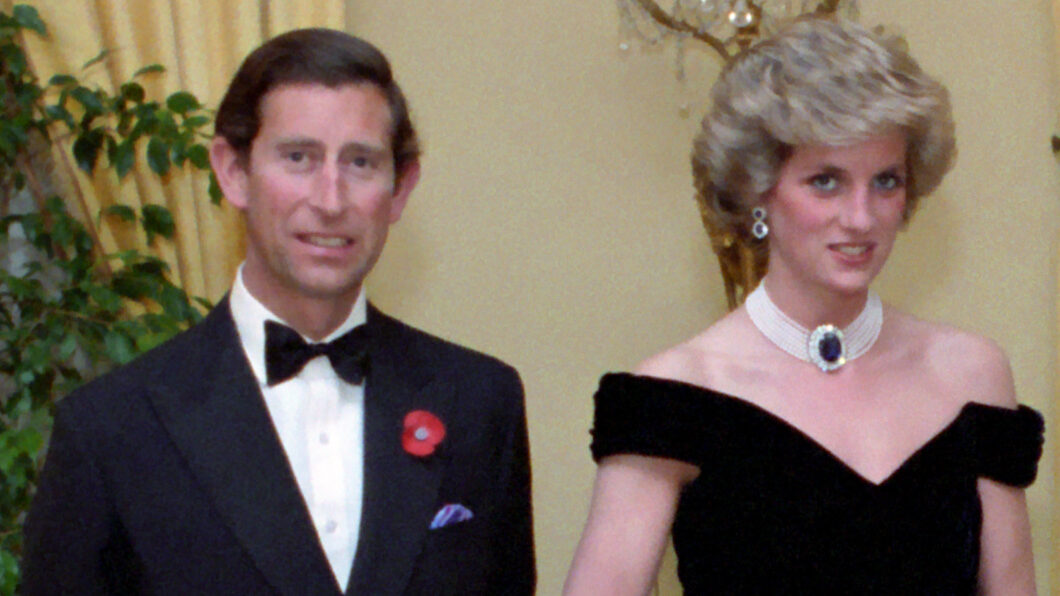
x=981, y=254
x=554, y=224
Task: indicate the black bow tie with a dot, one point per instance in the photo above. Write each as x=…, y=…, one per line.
x=286, y=353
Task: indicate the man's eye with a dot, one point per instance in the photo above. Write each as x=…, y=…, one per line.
x=825, y=182
x=296, y=156
x=361, y=162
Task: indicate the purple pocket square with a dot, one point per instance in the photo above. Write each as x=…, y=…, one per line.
x=450, y=514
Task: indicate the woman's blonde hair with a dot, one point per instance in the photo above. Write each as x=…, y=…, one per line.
x=817, y=81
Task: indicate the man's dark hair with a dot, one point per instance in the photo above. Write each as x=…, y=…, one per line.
x=313, y=56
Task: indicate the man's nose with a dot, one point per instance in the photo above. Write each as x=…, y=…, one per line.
x=327, y=192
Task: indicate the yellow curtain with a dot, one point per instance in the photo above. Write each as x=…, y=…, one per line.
x=201, y=43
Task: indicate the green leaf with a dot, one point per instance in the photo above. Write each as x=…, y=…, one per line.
x=167, y=125
x=133, y=91
x=9, y=571
x=86, y=150
x=174, y=302
x=150, y=265
x=199, y=156
x=83, y=243
x=62, y=80
x=127, y=257
x=107, y=299
x=26, y=98
x=123, y=212
x=177, y=153
x=96, y=59
x=182, y=102
x=124, y=158
x=55, y=205
x=28, y=440
x=215, y=190
x=151, y=340
x=8, y=142
x=125, y=119
x=131, y=286
x=149, y=69
x=118, y=347
x=112, y=148
x=62, y=231
x=5, y=223
x=60, y=113
x=157, y=220
x=88, y=98
x=158, y=156
x=27, y=17
x=26, y=377
x=14, y=59
x=197, y=121
x=32, y=226
x=67, y=347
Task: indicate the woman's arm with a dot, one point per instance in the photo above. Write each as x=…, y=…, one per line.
x=1006, y=561
x=633, y=505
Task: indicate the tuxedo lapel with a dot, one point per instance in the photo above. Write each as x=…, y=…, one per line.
x=215, y=414
x=400, y=489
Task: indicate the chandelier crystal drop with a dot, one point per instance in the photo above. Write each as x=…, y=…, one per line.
x=725, y=25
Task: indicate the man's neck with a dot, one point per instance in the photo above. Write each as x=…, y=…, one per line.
x=314, y=318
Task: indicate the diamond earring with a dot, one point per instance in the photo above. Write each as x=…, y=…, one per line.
x=759, y=229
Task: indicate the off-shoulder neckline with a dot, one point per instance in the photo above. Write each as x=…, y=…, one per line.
x=968, y=409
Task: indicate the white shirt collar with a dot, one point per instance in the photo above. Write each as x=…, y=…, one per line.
x=250, y=315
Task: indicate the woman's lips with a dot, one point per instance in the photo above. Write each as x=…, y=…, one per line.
x=853, y=253
x=852, y=250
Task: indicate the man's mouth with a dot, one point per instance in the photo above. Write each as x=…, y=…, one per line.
x=324, y=241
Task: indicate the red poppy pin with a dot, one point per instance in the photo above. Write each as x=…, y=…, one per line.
x=423, y=432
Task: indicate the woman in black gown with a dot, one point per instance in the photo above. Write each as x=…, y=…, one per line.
x=815, y=440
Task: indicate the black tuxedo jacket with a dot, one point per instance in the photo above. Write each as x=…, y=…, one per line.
x=166, y=476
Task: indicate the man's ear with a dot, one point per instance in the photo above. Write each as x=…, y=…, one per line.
x=406, y=181
x=230, y=171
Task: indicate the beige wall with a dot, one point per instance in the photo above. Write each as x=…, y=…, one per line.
x=554, y=225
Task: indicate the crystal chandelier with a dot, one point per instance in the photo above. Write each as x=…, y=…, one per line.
x=727, y=26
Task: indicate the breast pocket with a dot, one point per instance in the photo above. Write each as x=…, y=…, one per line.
x=455, y=559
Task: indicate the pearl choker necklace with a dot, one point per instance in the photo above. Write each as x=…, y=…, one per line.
x=827, y=346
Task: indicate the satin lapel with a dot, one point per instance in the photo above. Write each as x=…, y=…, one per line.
x=216, y=416
x=400, y=490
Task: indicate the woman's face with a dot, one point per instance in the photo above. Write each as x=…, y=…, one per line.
x=834, y=213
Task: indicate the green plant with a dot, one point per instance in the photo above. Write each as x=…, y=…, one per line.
x=67, y=310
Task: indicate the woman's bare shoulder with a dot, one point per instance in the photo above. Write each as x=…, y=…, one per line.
x=704, y=358
x=972, y=366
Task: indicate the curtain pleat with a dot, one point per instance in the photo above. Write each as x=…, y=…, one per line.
x=201, y=43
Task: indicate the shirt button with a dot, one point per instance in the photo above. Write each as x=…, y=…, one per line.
x=324, y=438
x=331, y=526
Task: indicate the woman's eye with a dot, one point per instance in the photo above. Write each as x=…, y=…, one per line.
x=889, y=181
x=824, y=182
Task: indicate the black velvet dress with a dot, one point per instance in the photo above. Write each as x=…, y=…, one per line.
x=774, y=512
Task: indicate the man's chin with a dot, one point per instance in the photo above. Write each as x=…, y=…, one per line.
x=334, y=286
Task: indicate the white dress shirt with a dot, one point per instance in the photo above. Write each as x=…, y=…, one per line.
x=320, y=421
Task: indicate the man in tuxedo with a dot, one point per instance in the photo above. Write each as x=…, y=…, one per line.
x=297, y=441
